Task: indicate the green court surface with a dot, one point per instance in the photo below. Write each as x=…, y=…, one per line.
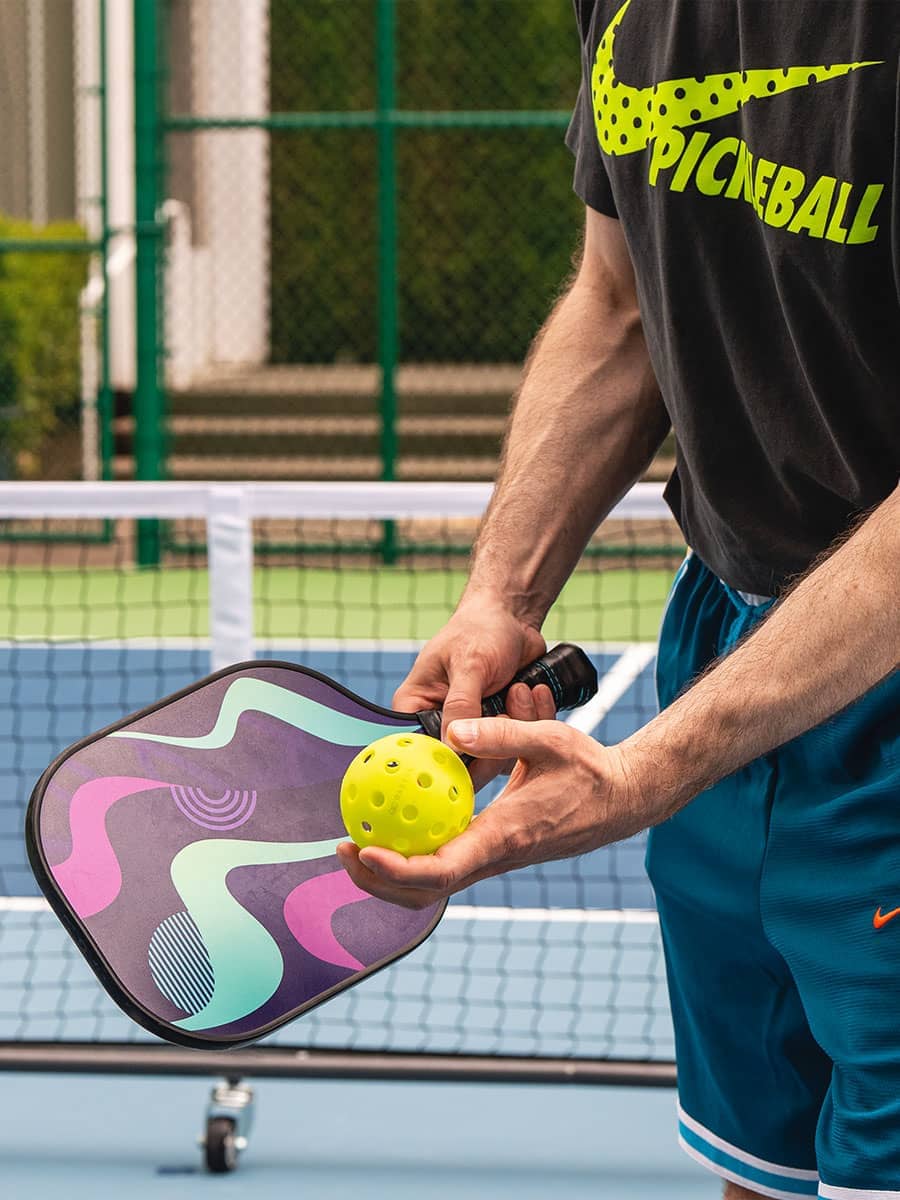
x=611, y=605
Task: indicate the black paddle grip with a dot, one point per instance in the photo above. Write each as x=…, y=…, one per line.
x=566, y=670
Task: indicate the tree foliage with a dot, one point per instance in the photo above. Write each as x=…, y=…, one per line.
x=487, y=219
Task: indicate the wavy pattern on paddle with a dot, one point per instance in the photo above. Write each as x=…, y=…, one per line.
x=91, y=878
x=308, y=911
x=257, y=695
x=245, y=958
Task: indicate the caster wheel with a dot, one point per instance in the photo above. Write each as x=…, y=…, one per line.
x=220, y=1151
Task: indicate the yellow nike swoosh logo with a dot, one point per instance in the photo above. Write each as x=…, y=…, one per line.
x=628, y=119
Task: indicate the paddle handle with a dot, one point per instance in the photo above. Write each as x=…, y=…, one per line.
x=566, y=670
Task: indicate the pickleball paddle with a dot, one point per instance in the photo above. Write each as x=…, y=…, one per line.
x=189, y=849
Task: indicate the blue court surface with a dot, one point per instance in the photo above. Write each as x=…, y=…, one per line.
x=86, y=1138
x=559, y=960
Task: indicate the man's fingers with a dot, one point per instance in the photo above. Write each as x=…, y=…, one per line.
x=482, y=851
x=409, y=698
x=483, y=771
x=490, y=737
x=442, y=871
x=464, y=696
x=424, y=687
x=530, y=704
x=381, y=886
x=544, y=704
x=520, y=703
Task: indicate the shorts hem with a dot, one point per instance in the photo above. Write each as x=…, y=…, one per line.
x=739, y=1166
x=829, y=1192
x=735, y=1177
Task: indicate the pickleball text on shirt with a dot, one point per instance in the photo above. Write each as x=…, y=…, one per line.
x=629, y=120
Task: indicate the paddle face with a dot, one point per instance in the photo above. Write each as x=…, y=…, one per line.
x=189, y=851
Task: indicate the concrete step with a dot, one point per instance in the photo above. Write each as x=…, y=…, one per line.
x=360, y=379
x=187, y=466
x=362, y=425
x=333, y=390
x=341, y=436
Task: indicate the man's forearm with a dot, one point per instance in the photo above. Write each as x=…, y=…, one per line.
x=832, y=638
x=587, y=422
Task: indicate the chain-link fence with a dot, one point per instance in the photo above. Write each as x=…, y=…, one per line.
x=369, y=213
x=351, y=217
x=55, y=397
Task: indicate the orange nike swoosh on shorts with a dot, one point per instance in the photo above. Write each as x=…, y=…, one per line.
x=882, y=918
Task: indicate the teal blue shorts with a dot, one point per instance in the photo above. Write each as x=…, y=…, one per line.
x=778, y=891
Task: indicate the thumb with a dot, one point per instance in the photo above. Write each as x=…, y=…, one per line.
x=501, y=737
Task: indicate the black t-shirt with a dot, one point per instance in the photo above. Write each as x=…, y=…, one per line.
x=750, y=149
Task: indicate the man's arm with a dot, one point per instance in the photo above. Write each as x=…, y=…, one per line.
x=587, y=421
x=833, y=637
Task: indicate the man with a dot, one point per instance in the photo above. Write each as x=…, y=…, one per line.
x=739, y=162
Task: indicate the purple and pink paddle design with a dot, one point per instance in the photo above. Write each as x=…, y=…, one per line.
x=190, y=849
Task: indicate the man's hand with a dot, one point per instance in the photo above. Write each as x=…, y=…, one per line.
x=476, y=654
x=566, y=795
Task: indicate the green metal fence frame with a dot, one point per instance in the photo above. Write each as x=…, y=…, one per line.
x=384, y=121
x=149, y=395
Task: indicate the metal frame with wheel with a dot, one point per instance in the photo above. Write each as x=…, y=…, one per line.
x=229, y=1119
x=231, y=1109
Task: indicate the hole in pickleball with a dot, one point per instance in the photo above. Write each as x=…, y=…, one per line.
x=404, y=741
x=400, y=845
x=367, y=828
x=351, y=791
x=463, y=825
x=438, y=828
x=368, y=757
x=454, y=793
x=393, y=765
x=440, y=757
x=424, y=780
x=410, y=812
x=377, y=799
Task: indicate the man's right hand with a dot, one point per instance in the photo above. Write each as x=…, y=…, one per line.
x=476, y=654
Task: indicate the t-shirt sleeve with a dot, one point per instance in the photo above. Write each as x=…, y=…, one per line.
x=591, y=182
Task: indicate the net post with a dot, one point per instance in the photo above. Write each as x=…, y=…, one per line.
x=230, y=541
x=387, y=252
x=148, y=409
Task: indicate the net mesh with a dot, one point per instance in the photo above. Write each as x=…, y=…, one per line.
x=561, y=959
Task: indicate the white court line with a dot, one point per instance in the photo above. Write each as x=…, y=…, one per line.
x=552, y=916
x=456, y=912
x=353, y=645
x=613, y=685
x=23, y=904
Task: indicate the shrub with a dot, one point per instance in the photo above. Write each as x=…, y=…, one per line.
x=39, y=342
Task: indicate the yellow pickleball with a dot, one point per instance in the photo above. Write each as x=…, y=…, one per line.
x=408, y=792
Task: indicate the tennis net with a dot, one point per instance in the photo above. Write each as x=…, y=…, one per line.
x=556, y=961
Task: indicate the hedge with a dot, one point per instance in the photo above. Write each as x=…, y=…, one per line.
x=487, y=219
x=39, y=344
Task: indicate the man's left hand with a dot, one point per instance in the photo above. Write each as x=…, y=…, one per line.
x=566, y=795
